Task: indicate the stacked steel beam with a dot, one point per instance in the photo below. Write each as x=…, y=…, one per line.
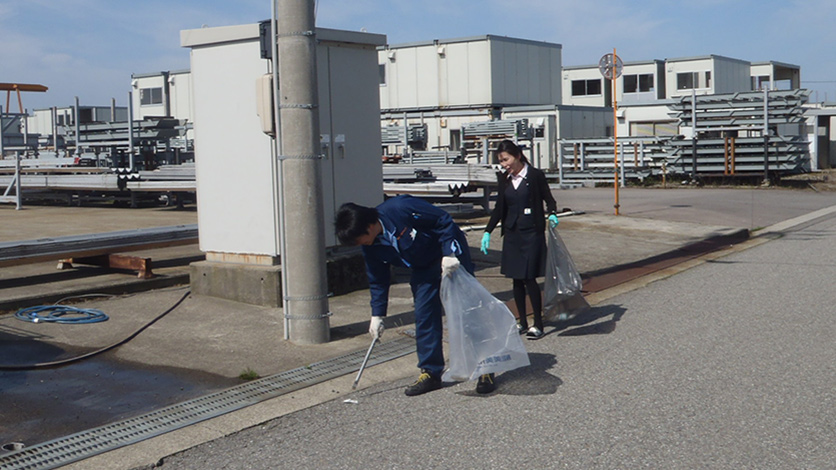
x=594, y=159
x=735, y=133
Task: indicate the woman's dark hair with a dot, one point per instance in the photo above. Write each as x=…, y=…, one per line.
x=509, y=147
x=352, y=221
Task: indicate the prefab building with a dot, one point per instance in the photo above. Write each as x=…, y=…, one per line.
x=585, y=86
x=446, y=84
x=706, y=75
x=647, y=119
x=41, y=120
x=821, y=121
x=162, y=94
x=165, y=95
x=640, y=82
x=469, y=72
x=645, y=88
x=51, y=122
x=775, y=76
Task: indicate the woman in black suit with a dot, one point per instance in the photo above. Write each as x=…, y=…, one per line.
x=523, y=191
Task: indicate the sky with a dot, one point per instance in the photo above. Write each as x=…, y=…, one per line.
x=89, y=48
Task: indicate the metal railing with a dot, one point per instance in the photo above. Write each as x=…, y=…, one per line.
x=594, y=159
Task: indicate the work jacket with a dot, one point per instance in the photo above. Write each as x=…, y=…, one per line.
x=416, y=235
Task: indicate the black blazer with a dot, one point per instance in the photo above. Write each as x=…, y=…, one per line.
x=538, y=193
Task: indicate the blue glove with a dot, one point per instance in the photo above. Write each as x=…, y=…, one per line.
x=486, y=242
x=553, y=220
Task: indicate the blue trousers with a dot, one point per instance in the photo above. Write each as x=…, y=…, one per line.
x=426, y=284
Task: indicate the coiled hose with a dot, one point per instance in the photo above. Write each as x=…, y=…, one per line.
x=61, y=314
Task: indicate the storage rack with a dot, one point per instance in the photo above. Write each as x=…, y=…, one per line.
x=741, y=134
x=478, y=138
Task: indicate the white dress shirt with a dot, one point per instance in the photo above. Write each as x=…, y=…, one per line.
x=517, y=179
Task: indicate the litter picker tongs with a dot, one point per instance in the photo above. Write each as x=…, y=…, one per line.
x=363, y=365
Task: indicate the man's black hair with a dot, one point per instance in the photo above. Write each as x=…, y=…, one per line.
x=352, y=221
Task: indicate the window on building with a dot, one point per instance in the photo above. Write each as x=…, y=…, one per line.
x=666, y=128
x=646, y=82
x=150, y=96
x=381, y=70
x=654, y=128
x=631, y=83
x=708, y=79
x=686, y=80
x=455, y=139
x=638, y=83
x=586, y=87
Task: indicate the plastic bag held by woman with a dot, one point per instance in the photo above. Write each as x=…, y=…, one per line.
x=483, y=337
x=562, y=289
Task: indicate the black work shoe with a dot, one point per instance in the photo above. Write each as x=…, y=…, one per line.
x=521, y=329
x=425, y=383
x=534, y=333
x=486, y=384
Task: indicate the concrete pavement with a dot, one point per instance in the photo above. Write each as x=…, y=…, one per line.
x=727, y=365
x=205, y=343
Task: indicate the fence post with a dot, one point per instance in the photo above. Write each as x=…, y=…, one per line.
x=636, y=154
x=725, y=155
x=732, y=155
x=575, y=161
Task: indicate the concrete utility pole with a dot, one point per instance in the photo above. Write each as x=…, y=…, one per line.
x=303, y=263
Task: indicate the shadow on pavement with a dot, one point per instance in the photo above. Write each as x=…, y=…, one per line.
x=527, y=381
x=585, y=320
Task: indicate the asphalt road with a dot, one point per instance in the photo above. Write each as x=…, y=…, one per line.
x=728, y=365
x=744, y=207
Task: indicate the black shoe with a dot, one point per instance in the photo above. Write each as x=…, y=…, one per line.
x=534, y=333
x=521, y=329
x=425, y=383
x=486, y=384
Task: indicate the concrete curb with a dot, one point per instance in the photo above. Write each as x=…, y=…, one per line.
x=603, y=279
x=128, y=286
x=796, y=222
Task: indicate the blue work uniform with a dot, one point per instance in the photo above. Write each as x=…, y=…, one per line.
x=415, y=235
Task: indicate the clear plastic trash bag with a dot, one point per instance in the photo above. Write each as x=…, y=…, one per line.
x=562, y=290
x=482, y=332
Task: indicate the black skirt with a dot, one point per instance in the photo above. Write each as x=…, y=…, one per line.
x=523, y=253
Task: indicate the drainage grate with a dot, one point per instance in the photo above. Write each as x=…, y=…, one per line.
x=79, y=446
